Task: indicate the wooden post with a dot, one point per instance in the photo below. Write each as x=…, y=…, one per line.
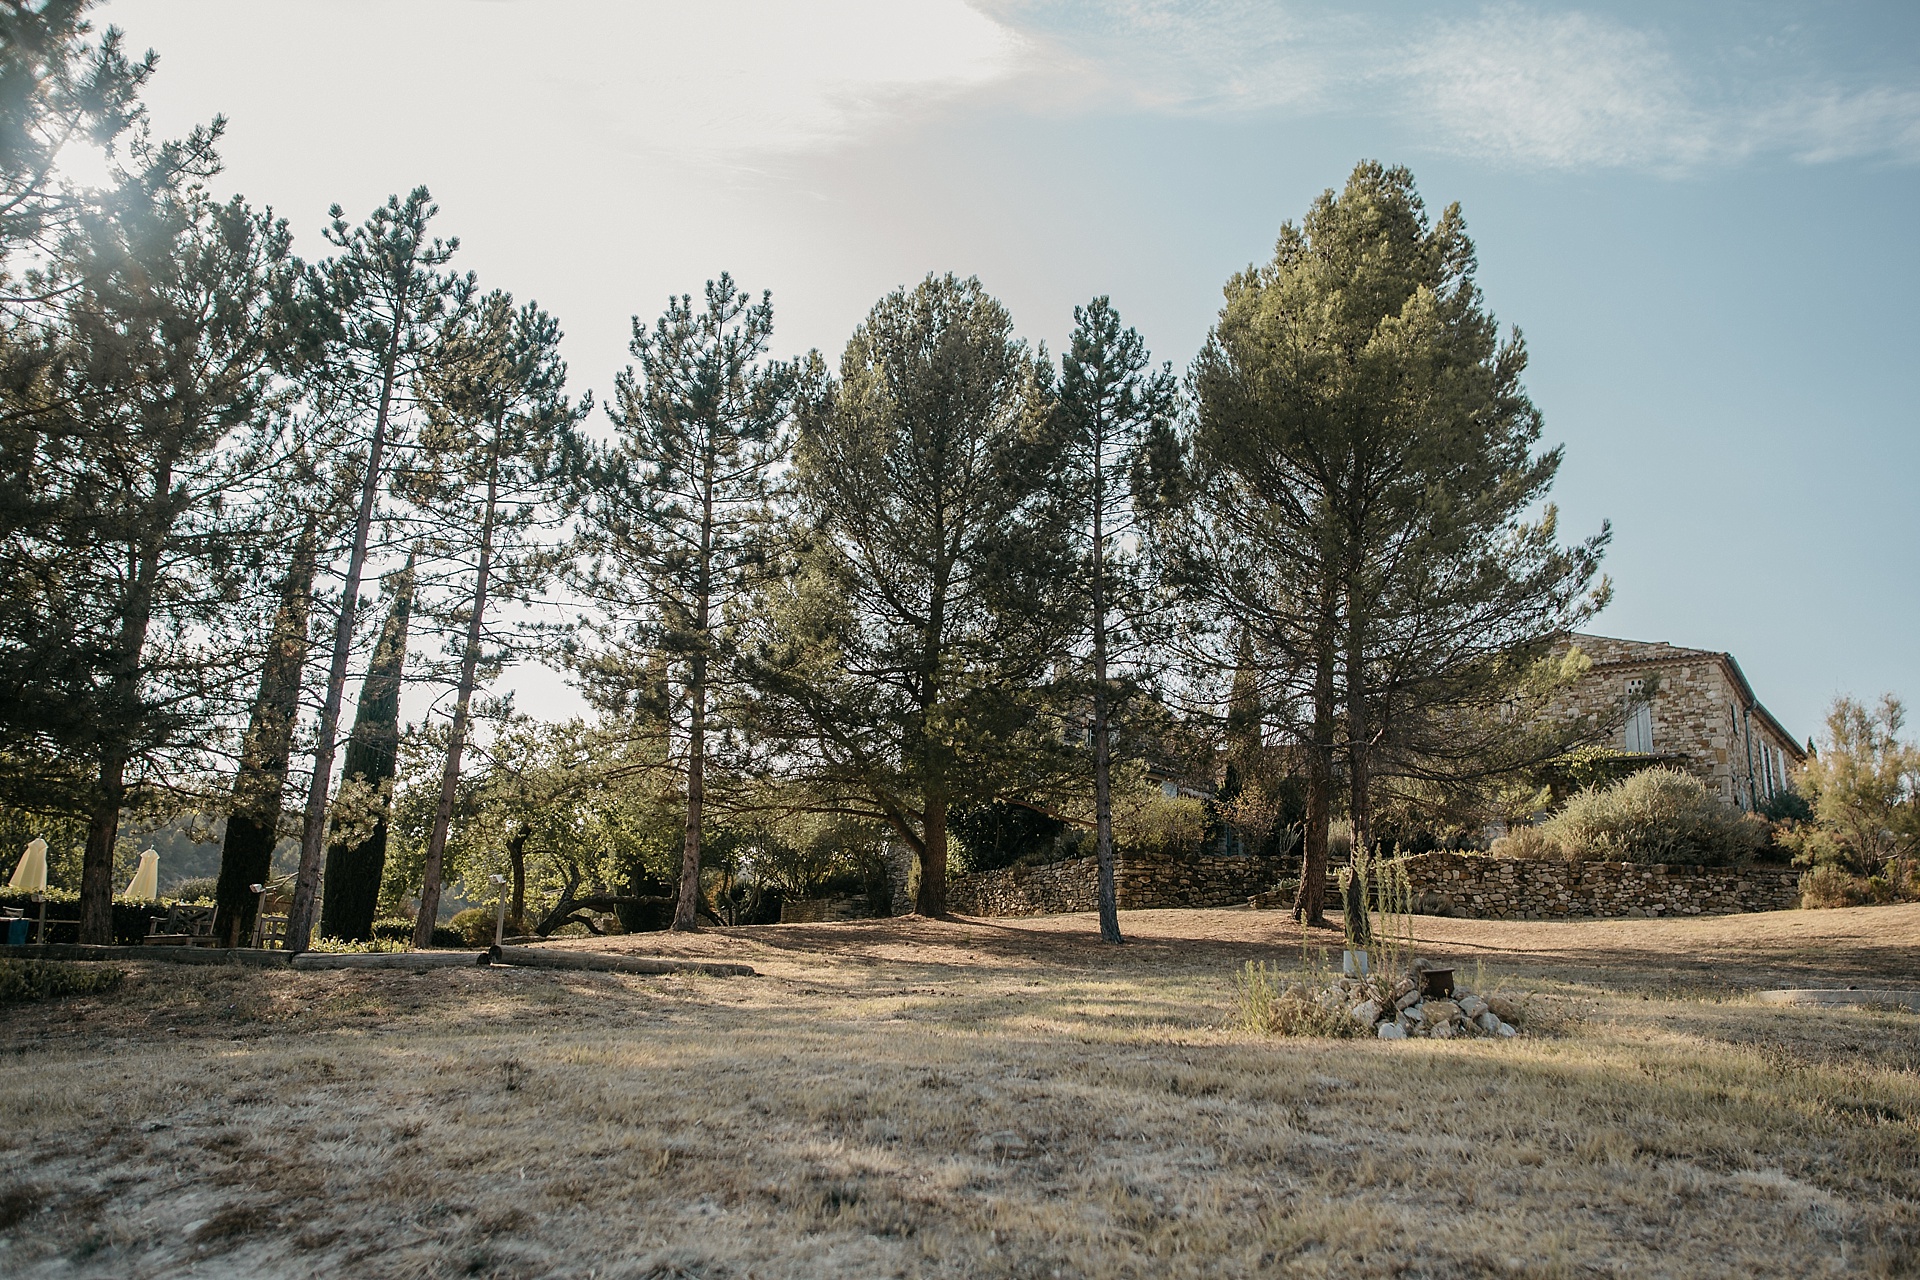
x=500, y=916
x=259, y=913
x=40, y=930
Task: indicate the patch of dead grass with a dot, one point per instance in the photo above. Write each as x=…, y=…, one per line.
x=1003, y=1098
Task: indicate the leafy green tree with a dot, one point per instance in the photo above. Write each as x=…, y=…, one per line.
x=678, y=518
x=1364, y=456
x=497, y=456
x=1111, y=400
x=900, y=668
x=387, y=302
x=357, y=825
x=259, y=784
x=1864, y=785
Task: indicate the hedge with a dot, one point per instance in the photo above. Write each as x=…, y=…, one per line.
x=24, y=980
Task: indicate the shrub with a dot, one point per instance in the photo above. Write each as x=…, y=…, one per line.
x=199, y=890
x=1657, y=815
x=400, y=929
x=24, y=980
x=474, y=925
x=393, y=929
x=1271, y=1002
x=1830, y=886
x=1787, y=806
x=340, y=946
x=1527, y=842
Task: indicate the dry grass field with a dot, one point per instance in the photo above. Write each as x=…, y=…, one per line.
x=979, y=1098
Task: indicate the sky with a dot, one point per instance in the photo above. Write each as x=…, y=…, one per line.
x=1702, y=218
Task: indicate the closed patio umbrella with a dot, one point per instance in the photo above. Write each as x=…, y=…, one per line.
x=146, y=881
x=31, y=874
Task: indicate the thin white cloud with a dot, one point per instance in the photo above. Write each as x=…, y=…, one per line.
x=1517, y=85
x=1563, y=90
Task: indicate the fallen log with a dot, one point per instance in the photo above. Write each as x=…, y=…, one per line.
x=165, y=955
x=602, y=962
x=416, y=960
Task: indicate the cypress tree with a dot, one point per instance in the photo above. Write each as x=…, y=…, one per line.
x=253, y=823
x=357, y=835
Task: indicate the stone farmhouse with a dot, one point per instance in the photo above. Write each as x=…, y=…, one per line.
x=1701, y=715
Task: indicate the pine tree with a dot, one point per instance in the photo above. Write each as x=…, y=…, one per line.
x=1110, y=402
x=253, y=820
x=498, y=454
x=388, y=300
x=678, y=514
x=900, y=669
x=157, y=432
x=357, y=824
x=1364, y=455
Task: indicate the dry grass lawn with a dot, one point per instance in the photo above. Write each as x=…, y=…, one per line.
x=979, y=1098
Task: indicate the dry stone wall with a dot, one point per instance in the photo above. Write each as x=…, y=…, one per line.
x=1488, y=888
x=1140, y=882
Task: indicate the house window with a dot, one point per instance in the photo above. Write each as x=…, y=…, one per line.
x=1639, y=727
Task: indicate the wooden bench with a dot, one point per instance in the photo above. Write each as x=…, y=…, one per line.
x=184, y=926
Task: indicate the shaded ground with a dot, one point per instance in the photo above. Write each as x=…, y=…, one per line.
x=979, y=1098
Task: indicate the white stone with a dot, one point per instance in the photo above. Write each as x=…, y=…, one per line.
x=1505, y=1031
x=1473, y=1006
x=1391, y=1031
x=1366, y=1013
x=1487, y=1022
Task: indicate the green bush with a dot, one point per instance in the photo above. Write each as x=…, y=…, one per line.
x=400, y=929
x=24, y=980
x=200, y=890
x=1828, y=885
x=1659, y=815
x=474, y=925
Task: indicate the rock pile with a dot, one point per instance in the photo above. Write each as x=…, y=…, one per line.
x=1396, y=1010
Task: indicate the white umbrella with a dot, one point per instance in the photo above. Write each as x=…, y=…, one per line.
x=31, y=874
x=146, y=881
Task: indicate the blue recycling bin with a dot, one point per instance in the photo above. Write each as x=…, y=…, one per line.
x=14, y=932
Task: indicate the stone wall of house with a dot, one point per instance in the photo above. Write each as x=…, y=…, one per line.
x=1483, y=887
x=1699, y=723
x=1140, y=882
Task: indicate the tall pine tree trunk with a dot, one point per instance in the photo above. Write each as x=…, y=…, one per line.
x=253, y=822
x=306, y=882
x=1310, y=901
x=457, y=739
x=687, y=902
x=932, y=901
x=1102, y=749
x=354, y=868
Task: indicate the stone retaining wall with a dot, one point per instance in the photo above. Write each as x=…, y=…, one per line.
x=1140, y=882
x=1488, y=888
